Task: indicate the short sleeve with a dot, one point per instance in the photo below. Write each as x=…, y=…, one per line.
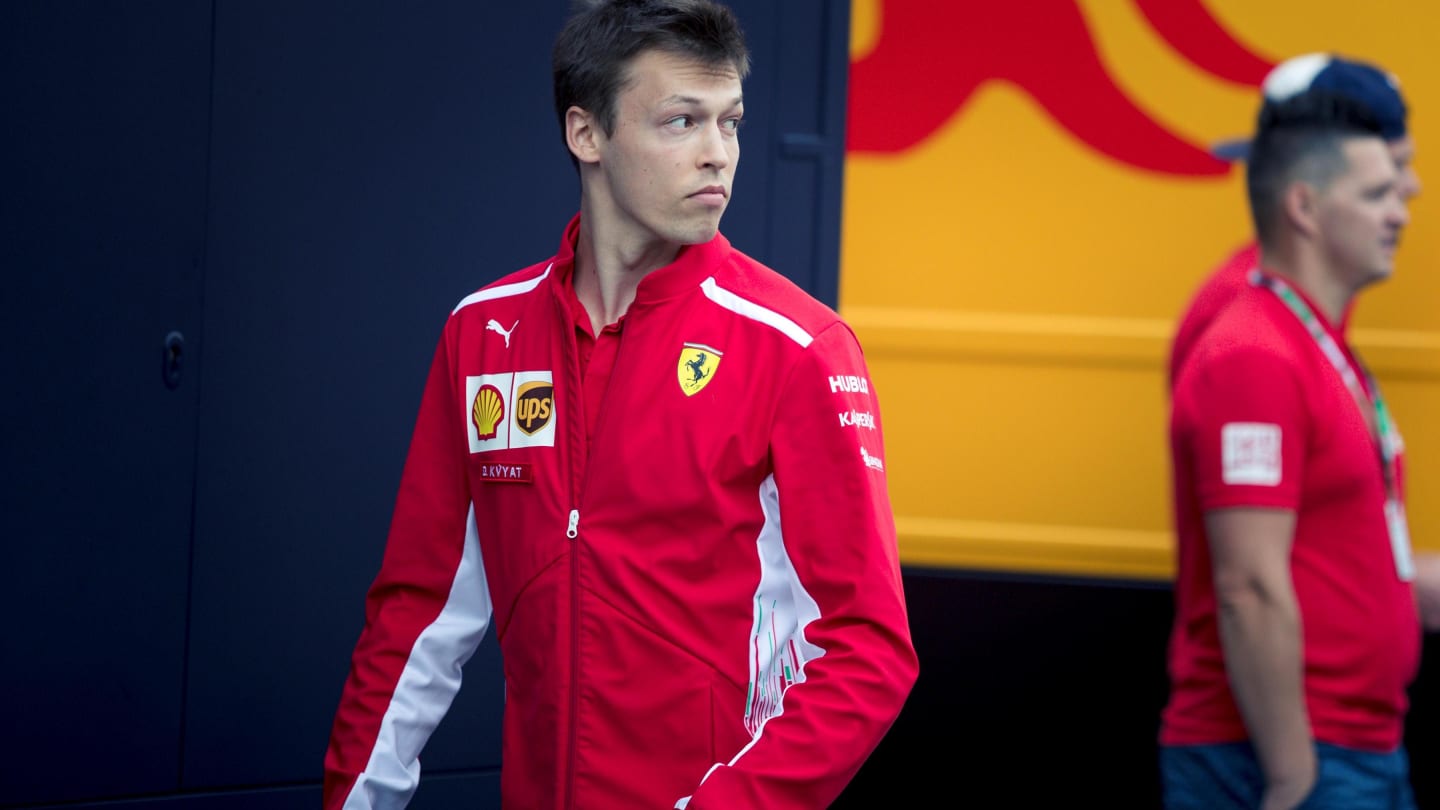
x=1242, y=419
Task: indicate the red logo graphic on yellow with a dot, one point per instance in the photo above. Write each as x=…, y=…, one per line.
x=487, y=411
x=932, y=55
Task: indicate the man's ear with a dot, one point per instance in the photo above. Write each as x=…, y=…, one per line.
x=583, y=135
x=1300, y=203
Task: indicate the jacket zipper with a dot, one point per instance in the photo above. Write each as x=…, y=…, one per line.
x=578, y=458
x=572, y=532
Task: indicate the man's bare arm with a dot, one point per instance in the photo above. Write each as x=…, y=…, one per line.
x=1260, y=633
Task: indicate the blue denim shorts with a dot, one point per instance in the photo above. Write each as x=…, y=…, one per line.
x=1227, y=777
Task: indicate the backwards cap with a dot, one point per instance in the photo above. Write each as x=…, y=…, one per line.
x=1321, y=73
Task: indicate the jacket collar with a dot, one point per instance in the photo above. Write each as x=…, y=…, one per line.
x=690, y=267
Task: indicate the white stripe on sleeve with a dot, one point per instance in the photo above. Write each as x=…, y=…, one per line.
x=427, y=685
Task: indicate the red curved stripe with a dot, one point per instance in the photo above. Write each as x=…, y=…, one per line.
x=913, y=80
x=933, y=54
x=1194, y=32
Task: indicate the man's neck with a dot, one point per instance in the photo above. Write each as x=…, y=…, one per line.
x=1313, y=276
x=609, y=266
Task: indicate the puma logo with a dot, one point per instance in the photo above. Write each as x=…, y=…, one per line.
x=494, y=326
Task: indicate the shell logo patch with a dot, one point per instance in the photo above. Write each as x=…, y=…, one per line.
x=487, y=411
x=505, y=411
x=697, y=367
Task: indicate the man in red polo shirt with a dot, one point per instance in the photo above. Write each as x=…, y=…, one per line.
x=1379, y=91
x=1296, y=632
x=1362, y=82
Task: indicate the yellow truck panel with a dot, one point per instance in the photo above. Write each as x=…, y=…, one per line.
x=1015, y=270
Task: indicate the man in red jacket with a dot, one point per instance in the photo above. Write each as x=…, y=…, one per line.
x=657, y=466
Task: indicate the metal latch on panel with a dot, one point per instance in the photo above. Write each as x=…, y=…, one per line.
x=172, y=360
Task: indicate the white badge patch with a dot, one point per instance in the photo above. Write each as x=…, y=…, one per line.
x=510, y=410
x=1250, y=453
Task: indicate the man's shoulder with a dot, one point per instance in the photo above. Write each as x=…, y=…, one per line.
x=1223, y=283
x=1244, y=259
x=512, y=285
x=769, y=290
x=1245, y=318
x=1246, y=331
x=1209, y=299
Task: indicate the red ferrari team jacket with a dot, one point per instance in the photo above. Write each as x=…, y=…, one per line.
x=698, y=604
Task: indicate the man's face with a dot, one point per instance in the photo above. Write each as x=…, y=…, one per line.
x=1402, y=151
x=665, y=172
x=1361, y=212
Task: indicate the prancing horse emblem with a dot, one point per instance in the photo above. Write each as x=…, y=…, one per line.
x=697, y=367
x=494, y=326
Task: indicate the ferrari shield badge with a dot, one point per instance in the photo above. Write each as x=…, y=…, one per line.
x=697, y=367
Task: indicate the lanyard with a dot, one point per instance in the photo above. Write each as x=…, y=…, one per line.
x=1333, y=353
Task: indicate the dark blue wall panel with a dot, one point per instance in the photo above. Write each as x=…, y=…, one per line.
x=372, y=164
x=805, y=194
x=304, y=190
x=103, y=134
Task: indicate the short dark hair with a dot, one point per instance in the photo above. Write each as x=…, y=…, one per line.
x=1300, y=139
x=593, y=52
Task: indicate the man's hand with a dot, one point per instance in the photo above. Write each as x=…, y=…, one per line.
x=1427, y=589
x=1286, y=793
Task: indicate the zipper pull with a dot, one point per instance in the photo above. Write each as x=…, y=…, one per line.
x=573, y=530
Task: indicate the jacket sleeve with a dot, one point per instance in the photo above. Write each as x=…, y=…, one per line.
x=425, y=614
x=839, y=535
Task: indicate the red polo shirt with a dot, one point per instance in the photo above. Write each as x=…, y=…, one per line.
x=1215, y=292
x=1261, y=418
